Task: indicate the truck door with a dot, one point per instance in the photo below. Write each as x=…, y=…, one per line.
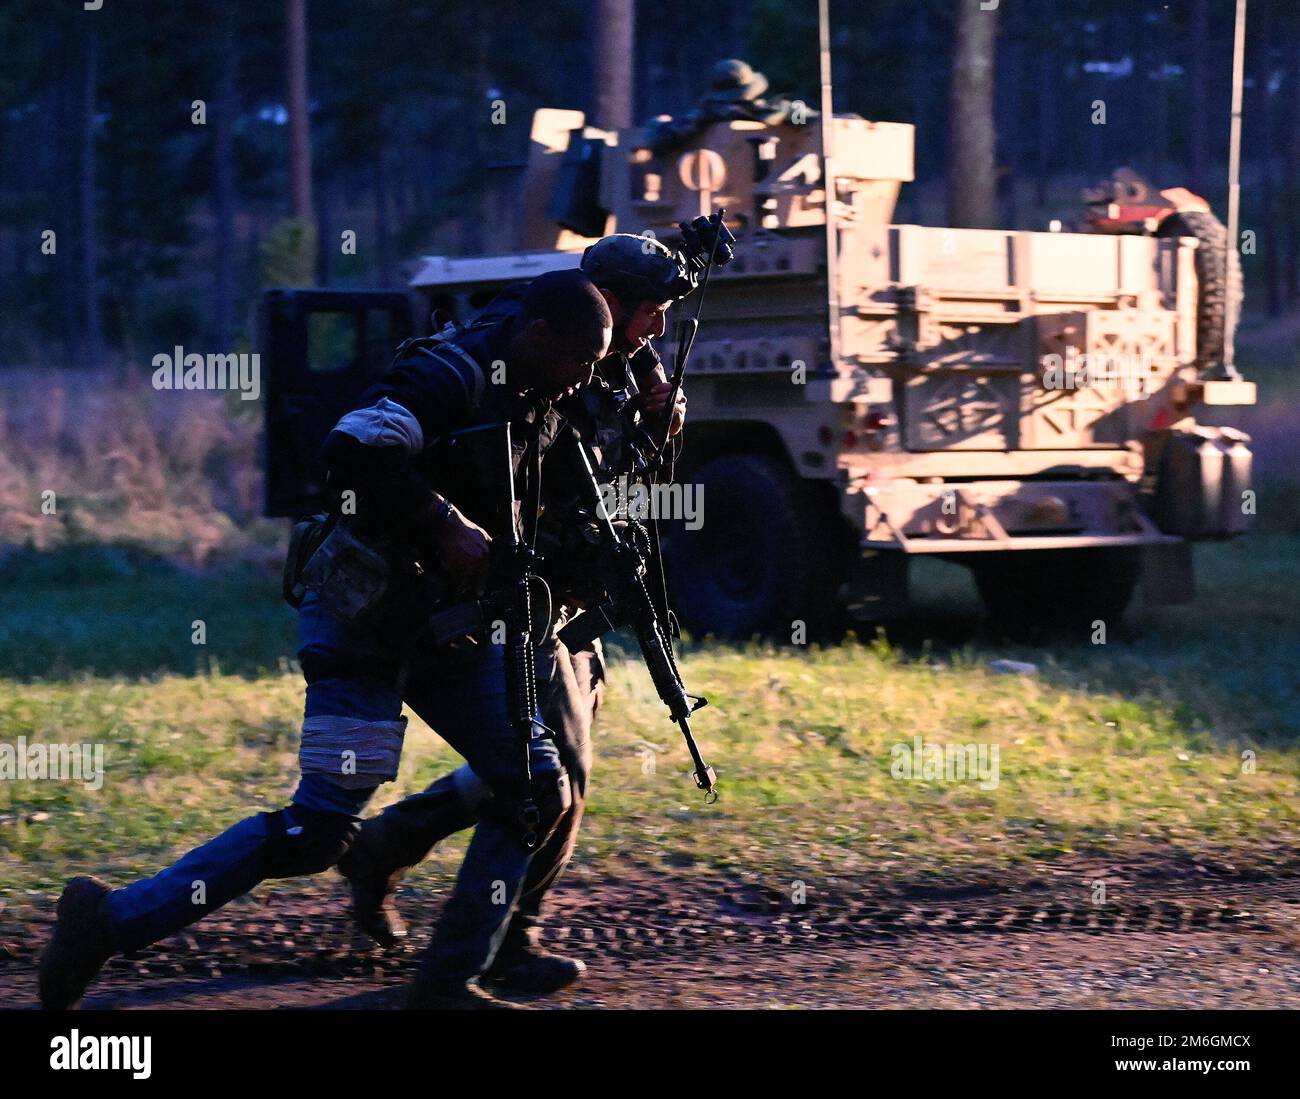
x=320, y=350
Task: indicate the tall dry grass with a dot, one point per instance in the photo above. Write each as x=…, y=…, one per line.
x=172, y=473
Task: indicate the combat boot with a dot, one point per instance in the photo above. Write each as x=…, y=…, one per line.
x=523, y=968
x=395, y=840
x=465, y=996
x=373, y=906
x=82, y=942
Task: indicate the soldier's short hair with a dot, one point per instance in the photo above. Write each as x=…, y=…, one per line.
x=573, y=309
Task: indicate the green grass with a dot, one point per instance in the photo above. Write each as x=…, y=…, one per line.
x=107, y=611
x=1118, y=750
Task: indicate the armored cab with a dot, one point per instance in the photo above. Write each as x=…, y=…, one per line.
x=1020, y=402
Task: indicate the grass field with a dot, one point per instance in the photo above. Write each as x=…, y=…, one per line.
x=1127, y=749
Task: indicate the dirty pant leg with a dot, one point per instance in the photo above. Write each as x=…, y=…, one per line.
x=548, y=864
x=570, y=686
x=404, y=833
x=262, y=846
x=474, y=921
x=462, y=697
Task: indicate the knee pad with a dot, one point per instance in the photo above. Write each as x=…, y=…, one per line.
x=306, y=841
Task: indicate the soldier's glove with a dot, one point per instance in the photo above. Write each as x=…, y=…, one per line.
x=459, y=544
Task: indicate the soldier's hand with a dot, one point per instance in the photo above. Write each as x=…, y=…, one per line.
x=656, y=397
x=464, y=547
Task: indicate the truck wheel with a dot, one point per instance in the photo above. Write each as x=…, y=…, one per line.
x=764, y=556
x=1214, y=290
x=1034, y=592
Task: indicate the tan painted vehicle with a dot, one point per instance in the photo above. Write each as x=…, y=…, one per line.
x=1020, y=402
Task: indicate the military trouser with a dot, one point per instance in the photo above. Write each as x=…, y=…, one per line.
x=351, y=741
x=570, y=689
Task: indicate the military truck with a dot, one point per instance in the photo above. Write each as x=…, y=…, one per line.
x=1020, y=402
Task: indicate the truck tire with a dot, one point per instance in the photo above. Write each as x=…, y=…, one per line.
x=1215, y=292
x=1035, y=592
x=765, y=555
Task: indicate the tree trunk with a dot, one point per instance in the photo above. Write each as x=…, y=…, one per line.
x=1048, y=74
x=224, y=196
x=1160, y=123
x=325, y=245
x=91, y=333
x=482, y=51
x=972, y=188
x=1008, y=154
x=918, y=91
x=299, y=123
x=382, y=235
x=65, y=183
x=1291, y=153
x=1097, y=165
x=1270, y=224
x=1196, y=139
x=611, y=71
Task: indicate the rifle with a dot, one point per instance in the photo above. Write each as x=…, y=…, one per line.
x=506, y=612
x=707, y=243
x=628, y=603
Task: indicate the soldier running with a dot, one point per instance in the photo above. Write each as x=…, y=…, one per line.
x=385, y=454
x=639, y=279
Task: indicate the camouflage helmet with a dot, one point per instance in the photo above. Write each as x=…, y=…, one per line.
x=637, y=269
x=734, y=80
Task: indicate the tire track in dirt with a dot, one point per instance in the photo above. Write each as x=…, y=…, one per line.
x=279, y=949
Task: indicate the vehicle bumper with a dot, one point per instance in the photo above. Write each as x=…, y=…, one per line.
x=995, y=516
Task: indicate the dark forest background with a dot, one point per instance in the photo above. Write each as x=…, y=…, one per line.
x=166, y=230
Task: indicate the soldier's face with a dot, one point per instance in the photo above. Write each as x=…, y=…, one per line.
x=554, y=367
x=569, y=368
x=644, y=324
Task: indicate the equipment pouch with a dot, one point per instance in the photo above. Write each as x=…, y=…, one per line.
x=350, y=577
x=304, y=539
x=581, y=632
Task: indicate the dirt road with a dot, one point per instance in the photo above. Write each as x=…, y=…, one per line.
x=653, y=942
